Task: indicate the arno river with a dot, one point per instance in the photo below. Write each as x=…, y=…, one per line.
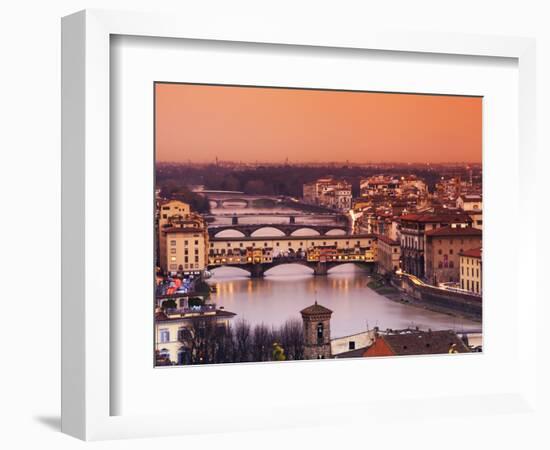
x=285, y=290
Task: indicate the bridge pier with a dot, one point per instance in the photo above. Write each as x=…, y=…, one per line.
x=257, y=271
x=320, y=269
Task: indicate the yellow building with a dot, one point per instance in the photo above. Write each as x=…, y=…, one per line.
x=389, y=254
x=174, y=330
x=471, y=271
x=186, y=245
x=168, y=212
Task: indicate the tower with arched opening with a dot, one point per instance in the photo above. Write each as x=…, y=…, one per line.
x=316, y=322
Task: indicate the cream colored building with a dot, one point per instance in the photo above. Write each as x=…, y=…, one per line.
x=353, y=342
x=168, y=212
x=186, y=246
x=389, y=255
x=170, y=325
x=471, y=272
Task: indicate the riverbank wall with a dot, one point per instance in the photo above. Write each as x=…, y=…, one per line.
x=463, y=303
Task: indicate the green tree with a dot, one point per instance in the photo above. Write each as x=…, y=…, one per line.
x=278, y=352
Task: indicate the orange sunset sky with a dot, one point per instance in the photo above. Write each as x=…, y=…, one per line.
x=198, y=123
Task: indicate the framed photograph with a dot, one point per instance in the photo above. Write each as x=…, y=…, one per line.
x=254, y=216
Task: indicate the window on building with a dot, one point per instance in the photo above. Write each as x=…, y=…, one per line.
x=439, y=252
x=351, y=345
x=172, y=250
x=320, y=329
x=196, y=242
x=173, y=266
x=172, y=242
x=196, y=259
x=164, y=335
x=186, y=242
x=451, y=251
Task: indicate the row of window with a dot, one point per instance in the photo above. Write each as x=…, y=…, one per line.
x=472, y=261
x=290, y=244
x=173, y=242
x=468, y=272
x=451, y=251
x=174, y=267
x=473, y=286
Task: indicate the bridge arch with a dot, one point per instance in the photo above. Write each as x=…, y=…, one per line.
x=242, y=201
x=336, y=232
x=229, y=232
x=305, y=231
x=268, y=231
x=272, y=267
x=221, y=269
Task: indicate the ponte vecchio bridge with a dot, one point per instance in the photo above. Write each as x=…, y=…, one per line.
x=257, y=255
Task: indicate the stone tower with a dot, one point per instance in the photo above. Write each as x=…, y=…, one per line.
x=316, y=320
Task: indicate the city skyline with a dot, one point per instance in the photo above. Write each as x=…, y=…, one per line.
x=199, y=123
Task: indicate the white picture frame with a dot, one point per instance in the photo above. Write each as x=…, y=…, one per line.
x=86, y=251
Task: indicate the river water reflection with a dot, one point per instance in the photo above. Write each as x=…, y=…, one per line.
x=286, y=290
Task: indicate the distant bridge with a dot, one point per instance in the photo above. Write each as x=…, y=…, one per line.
x=287, y=229
x=220, y=198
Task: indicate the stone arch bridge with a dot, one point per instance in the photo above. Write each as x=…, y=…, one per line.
x=287, y=229
x=258, y=270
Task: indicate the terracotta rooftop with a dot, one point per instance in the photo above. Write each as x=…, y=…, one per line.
x=424, y=342
x=314, y=310
x=387, y=240
x=472, y=253
x=454, y=231
x=436, y=218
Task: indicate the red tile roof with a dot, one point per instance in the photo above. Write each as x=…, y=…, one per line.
x=386, y=239
x=472, y=253
x=436, y=218
x=314, y=310
x=454, y=231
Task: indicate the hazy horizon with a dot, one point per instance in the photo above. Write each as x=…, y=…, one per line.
x=199, y=123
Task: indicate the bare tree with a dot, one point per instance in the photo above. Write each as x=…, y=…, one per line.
x=262, y=341
x=243, y=340
x=291, y=338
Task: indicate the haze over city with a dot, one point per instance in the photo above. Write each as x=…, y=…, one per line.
x=199, y=123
